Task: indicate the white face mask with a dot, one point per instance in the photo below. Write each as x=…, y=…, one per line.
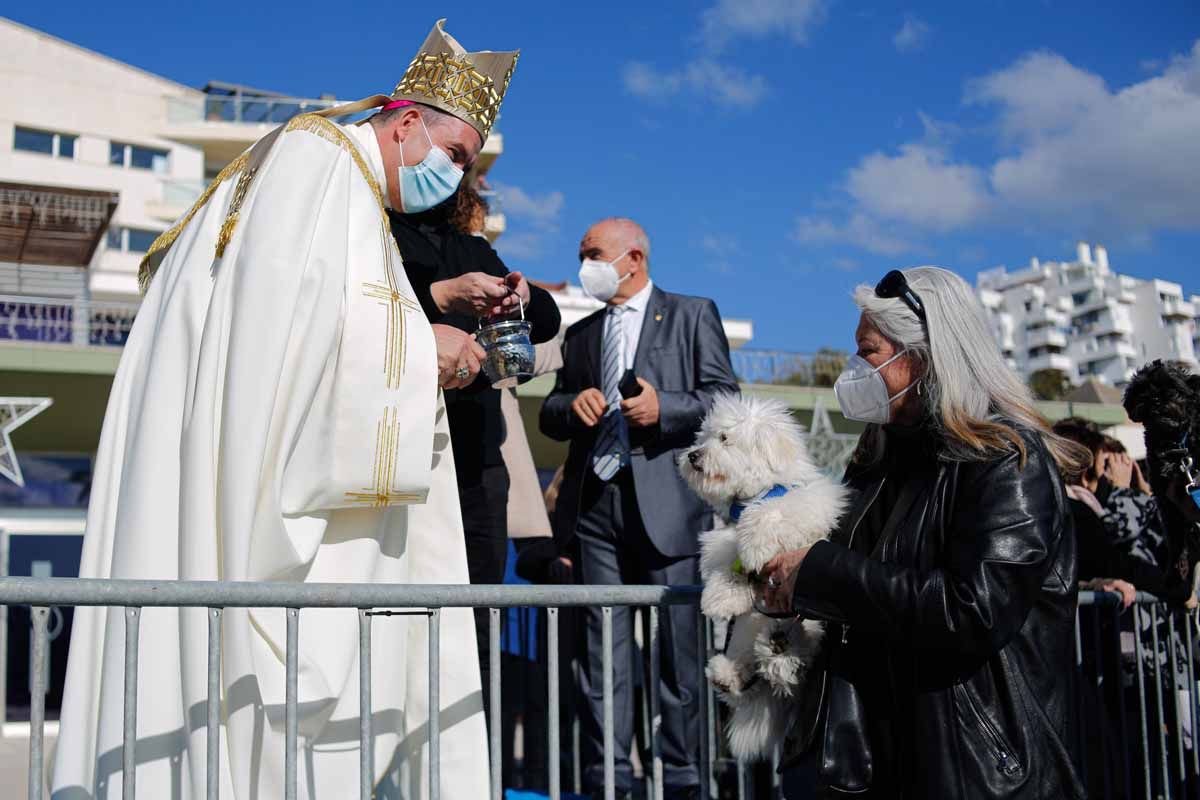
x=599, y=278
x=862, y=393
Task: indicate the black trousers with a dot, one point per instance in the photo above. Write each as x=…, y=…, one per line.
x=614, y=549
x=485, y=527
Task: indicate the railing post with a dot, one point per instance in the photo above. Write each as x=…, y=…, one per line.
x=129, y=740
x=1176, y=715
x=1164, y=761
x=553, y=711
x=1141, y=684
x=291, y=720
x=655, y=693
x=213, y=745
x=1192, y=699
x=702, y=700
x=606, y=647
x=37, y=701
x=494, y=698
x=435, y=704
x=366, y=743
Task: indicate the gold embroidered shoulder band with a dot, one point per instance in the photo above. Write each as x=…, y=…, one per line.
x=249, y=162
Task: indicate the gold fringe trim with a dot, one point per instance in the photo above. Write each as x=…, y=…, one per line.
x=235, y=207
x=149, y=264
x=311, y=123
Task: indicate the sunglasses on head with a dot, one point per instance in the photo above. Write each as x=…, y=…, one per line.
x=895, y=285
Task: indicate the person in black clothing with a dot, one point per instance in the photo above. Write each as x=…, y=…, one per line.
x=948, y=588
x=1101, y=562
x=460, y=280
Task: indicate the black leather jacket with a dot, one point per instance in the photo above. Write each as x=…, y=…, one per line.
x=949, y=668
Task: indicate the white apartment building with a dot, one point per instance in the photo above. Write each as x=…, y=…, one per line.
x=1082, y=318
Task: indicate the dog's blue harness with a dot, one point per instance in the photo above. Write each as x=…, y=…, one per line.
x=736, y=508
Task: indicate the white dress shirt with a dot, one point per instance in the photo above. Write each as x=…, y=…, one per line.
x=631, y=322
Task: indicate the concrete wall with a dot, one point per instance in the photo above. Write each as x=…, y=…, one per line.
x=52, y=85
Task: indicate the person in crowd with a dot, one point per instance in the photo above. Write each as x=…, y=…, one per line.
x=1103, y=565
x=1165, y=397
x=949, y=587
x=638, y=377
x=461, y=282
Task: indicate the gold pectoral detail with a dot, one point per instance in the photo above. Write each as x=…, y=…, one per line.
x=387, y=449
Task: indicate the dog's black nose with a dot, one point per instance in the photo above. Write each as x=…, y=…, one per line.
x=694, y=457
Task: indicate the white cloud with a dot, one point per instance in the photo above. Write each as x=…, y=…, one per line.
x=1125, y=161
x=919, y=186
x=912, y=36
x=532, y=219
x=539, y=210
x=859, y=230
x=522, y=245
x=703, y=78
x=713, y=80
x=733, y=19
x=1072, y=156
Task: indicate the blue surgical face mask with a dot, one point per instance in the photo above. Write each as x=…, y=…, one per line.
x=424, y=185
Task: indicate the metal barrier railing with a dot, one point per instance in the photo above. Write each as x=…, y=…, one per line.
x=133, y=595
x=1156, y=765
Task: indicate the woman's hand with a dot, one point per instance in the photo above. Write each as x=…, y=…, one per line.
x=1119, y=469
x=1127, y=590
x=475, y=293
x=779, y=582
x=459, y=357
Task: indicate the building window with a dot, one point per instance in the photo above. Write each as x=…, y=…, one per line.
x=47, y=143
x=130, y=240
x=136, y=156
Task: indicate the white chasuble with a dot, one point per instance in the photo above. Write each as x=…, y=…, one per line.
x=276, y=417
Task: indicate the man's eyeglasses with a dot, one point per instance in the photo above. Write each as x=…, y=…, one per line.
x=894, y=284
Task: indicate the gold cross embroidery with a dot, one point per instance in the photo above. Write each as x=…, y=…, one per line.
x=397, y=305
x=387, y=446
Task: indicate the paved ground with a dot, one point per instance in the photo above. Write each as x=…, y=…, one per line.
x=14, y=764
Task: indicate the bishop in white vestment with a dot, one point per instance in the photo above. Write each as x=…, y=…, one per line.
x=277, y=417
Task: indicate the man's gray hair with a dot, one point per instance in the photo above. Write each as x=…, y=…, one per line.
x=965, y=379
x=432, y=116
x=634, y=235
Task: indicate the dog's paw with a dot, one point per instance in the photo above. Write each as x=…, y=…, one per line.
x=725, y=676
x=726, y=596
x=757, y=725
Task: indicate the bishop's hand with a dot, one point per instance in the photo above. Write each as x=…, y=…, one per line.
x=459, y=357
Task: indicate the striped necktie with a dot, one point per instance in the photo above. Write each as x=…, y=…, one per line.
x=611, y=452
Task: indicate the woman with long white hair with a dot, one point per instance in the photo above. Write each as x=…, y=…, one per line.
x=949, y=587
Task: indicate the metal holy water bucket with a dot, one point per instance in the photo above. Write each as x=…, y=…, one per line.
x=510, y=353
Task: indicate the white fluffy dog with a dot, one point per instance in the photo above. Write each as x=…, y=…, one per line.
x=750, y=464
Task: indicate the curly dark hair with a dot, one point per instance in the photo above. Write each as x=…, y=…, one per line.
x=469, y=208
x=1165, y=397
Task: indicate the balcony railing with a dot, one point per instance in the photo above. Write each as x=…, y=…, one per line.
x=74, y=322
x=247, y=109
x=789, y=369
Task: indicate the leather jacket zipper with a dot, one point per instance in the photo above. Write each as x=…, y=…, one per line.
x=1006, y=761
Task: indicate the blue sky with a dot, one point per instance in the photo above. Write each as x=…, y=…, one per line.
x=777, y=152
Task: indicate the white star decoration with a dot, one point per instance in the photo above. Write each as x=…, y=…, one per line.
x=830, y=450
x=15, y=412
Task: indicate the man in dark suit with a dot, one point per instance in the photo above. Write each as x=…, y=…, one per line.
x=621, y=495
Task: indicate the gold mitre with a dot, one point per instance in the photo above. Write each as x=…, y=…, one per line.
x=470, y=86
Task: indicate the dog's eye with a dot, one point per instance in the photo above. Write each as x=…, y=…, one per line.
x=724, y=439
